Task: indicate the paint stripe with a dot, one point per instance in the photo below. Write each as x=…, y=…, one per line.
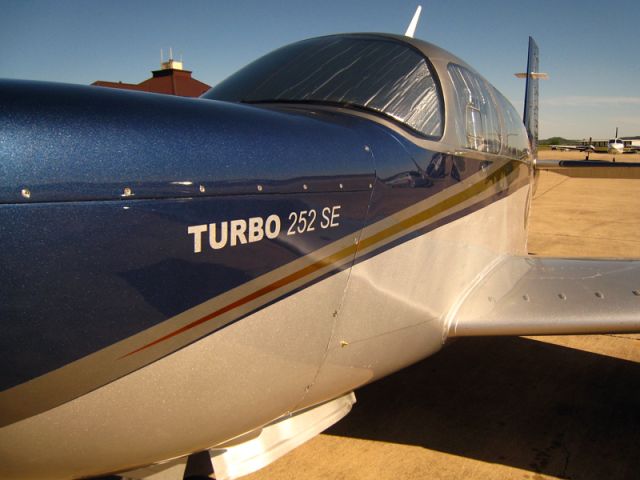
x=332, y=260
x=314, y=267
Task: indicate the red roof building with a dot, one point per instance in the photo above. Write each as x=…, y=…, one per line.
x=171, y=79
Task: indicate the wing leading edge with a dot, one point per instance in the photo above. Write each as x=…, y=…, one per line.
x=551, y=296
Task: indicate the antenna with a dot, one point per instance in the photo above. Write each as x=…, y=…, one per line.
x=161, y=57
x=170, y=53
x=411, y=29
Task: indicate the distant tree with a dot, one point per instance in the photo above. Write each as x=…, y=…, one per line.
x=556, y=141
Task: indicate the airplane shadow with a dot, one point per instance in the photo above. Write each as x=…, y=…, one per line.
x=513, y=401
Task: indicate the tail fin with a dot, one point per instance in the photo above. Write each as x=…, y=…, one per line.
x=531, y=96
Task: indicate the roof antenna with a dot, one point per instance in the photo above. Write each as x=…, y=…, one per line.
x=411, y=29
x=161, y=57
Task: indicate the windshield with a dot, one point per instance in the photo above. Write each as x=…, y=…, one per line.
x=368, y=72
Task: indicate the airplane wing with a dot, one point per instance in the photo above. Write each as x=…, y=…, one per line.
x=591, y=168
x=551, y=296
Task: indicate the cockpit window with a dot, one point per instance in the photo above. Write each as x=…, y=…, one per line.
x=485, y=120
x=363, y=72
x=515, y=142
x=481, y=128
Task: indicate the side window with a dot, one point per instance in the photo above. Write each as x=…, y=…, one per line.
x=474, y=126
x=515, y=139
x=480, y=130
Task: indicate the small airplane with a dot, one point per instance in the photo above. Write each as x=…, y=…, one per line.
x=615, y=145
x=579, y=148
x=197, y=286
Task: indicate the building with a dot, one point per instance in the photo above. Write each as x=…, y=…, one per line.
x=629, y=142
x=171, y=79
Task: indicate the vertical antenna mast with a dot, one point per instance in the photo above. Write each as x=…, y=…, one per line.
x=411, y=29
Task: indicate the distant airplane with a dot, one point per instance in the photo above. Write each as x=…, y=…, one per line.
x=197, y=286
x=615, y=145
x=580, y=148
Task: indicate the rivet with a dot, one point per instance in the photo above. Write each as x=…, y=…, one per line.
x=526, y=298
x=259, y=188
x=599, y=294
x=636, y=293
x=562, y=296
x=127, y=192
x=26, y=193
x=202, y=189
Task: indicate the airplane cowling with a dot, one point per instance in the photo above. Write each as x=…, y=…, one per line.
x=100, y=193
x=63, y=142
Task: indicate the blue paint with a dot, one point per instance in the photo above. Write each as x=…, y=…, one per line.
x=68, y=143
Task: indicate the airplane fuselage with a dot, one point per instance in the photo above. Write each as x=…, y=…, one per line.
x=180, y=272
x=615, y=146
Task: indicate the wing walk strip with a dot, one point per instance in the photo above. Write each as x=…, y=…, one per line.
x=95, y=370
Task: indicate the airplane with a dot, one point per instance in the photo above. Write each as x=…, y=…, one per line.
x=579, y=148
x=197, y=286
x=615, y=145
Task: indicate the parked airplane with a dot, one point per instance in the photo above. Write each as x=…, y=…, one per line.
x=615, y=145
x=579, y=148
x=199, y=284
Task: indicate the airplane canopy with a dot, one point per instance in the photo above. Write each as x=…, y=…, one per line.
x=364, y=71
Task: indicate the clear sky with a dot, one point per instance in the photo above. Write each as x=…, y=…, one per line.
x=591, y=49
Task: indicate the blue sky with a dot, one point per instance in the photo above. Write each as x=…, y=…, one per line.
x=591, y=49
